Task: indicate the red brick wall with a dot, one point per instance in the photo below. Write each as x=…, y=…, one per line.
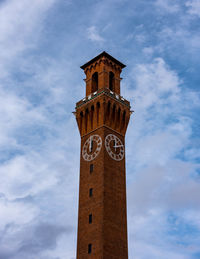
x=108, y=231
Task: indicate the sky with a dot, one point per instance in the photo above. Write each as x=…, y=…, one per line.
x=43, y=43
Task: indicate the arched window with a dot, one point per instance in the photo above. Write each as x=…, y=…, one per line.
x=86, y=119
x=111, y=81
x=118, y=118
x=94, y=82
x=108, y=111
x=92, y=116
x=98, y=108
x=113, y=113
x=123, y=119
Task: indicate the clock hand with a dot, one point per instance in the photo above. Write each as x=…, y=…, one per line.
x=115, y=145
x=90, y=147
x=118, y=146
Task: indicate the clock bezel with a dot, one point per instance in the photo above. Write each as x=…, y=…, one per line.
x=87, y=157
x=117, y=157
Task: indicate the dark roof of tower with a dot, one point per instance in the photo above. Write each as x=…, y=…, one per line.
x=103, y=54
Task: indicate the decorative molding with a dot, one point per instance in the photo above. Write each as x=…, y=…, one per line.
x=123, y=135
x=104, y=60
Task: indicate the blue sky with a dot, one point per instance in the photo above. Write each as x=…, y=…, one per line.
x=43, y=44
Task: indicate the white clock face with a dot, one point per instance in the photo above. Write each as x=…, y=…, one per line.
x=91, y=147
x=114, y=147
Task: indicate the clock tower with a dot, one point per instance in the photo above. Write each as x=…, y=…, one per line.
x=102, y=117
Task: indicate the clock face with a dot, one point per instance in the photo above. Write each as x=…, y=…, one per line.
x=91, y=147
x=114, y=147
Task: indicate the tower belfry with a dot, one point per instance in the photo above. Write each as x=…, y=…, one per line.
x=102, y=117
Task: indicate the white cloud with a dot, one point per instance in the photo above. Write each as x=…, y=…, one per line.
x=165, y=188
x=141, y=250
x=160, y=129
x=141, y=38
x=94, y=35
x=148, y=50
x=184, y=44
x=21, y=175
x=20, y=26
x=192, y=154
x=30, y=164
x=15, y=112
x=156, y=193
x=167, y=5
x=15, y=213
x=154, y=82
x=193, y=7
x=159, y=134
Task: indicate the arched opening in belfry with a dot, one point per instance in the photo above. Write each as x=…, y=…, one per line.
x=113, y=114
x=111, y=81
x=108, y=111
x=98, y=108
x=117, y=124
x=86, y=119
x=92, y=116
x=95, y=82
x=123, y=120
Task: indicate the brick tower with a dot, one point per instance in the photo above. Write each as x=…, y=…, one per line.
x=102, y=118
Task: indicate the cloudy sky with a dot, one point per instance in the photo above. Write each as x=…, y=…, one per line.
x=42, y=45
